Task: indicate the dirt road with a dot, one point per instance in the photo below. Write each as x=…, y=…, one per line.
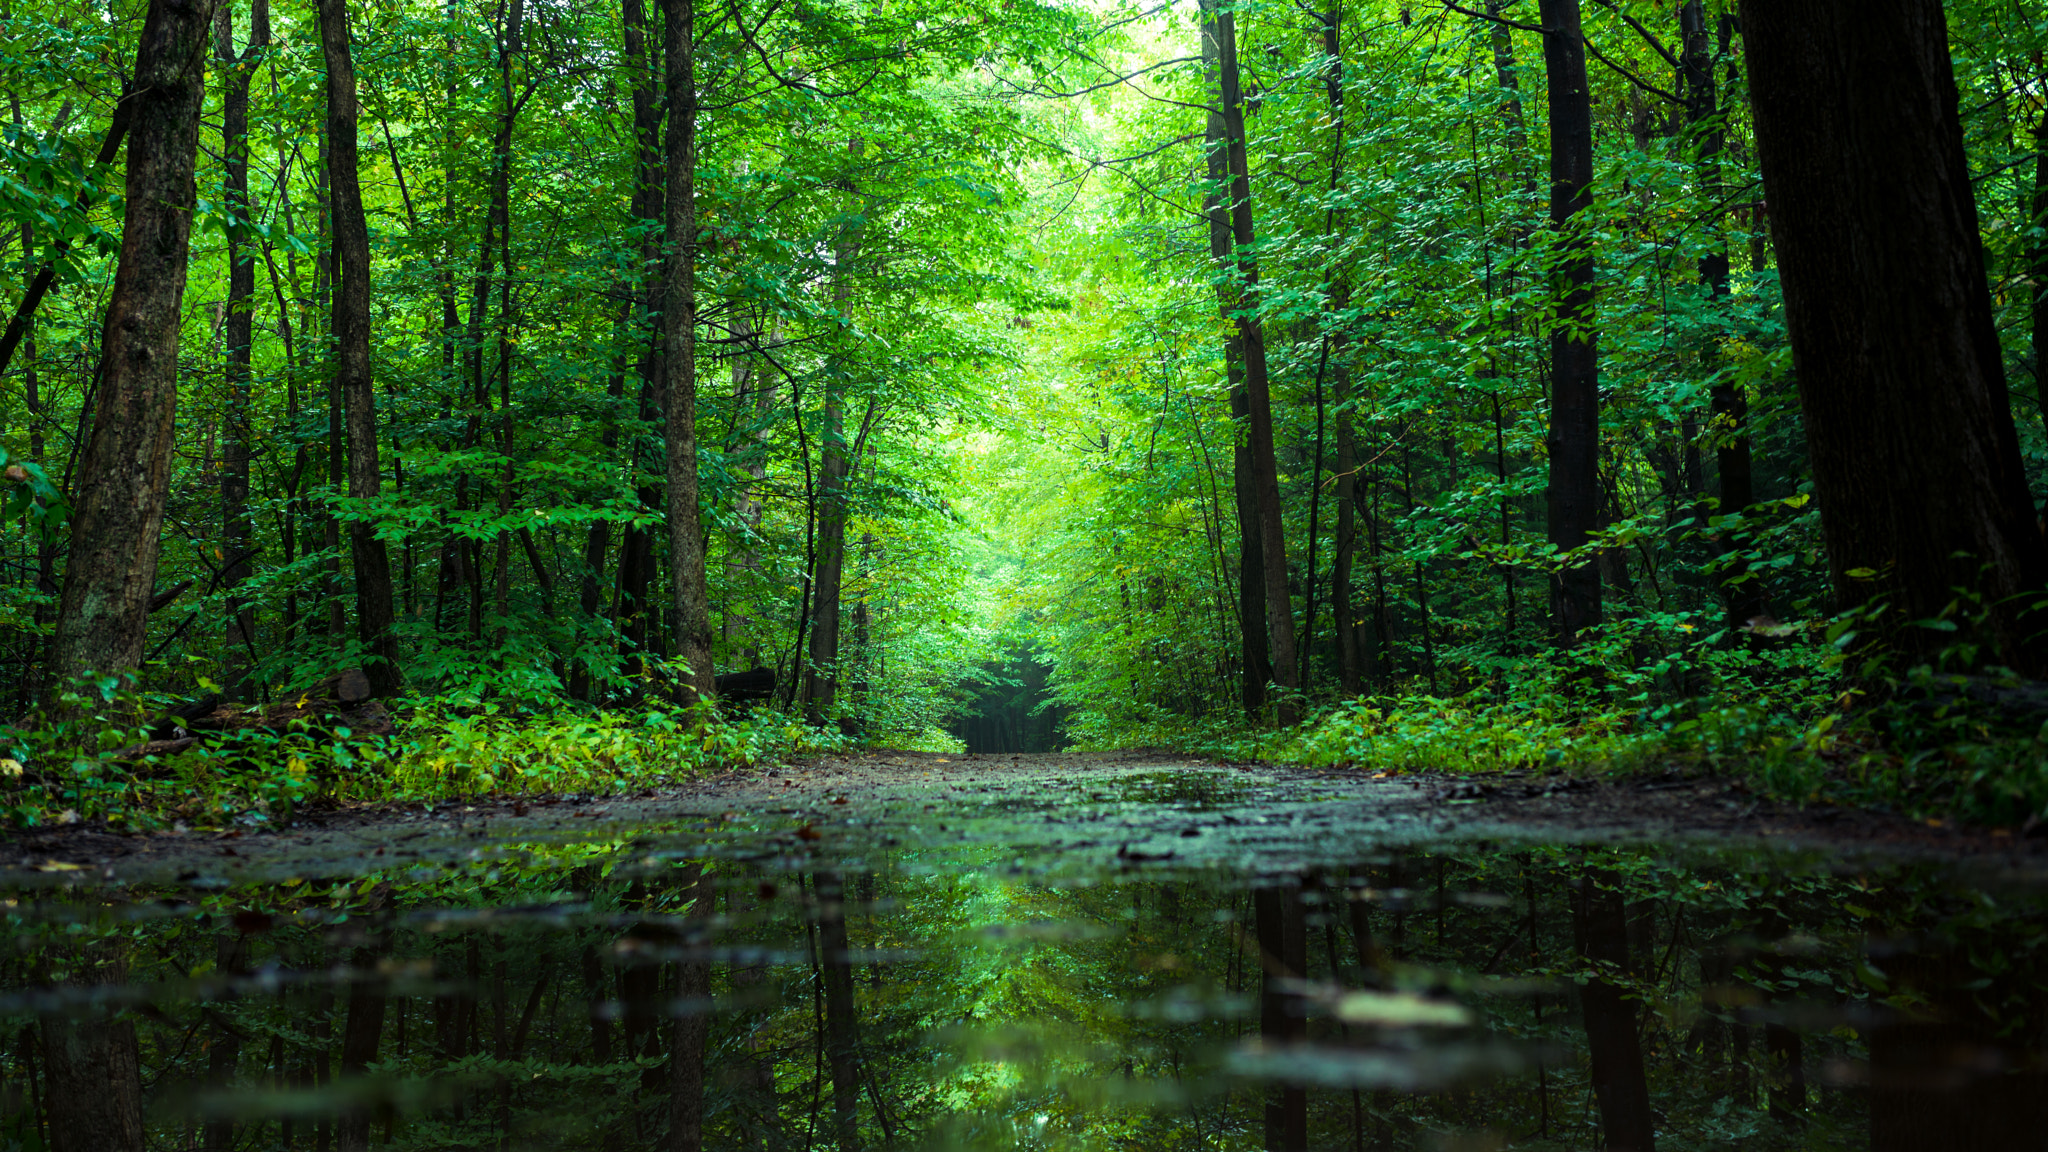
x=1050, y=813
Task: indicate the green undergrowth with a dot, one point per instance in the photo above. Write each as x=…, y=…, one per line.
x=74, y=772
x=1926, y=763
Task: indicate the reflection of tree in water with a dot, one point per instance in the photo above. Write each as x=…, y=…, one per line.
x=1549, y=997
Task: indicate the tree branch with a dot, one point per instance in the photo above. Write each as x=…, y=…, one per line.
x=1490, y=18
x=1652, y=41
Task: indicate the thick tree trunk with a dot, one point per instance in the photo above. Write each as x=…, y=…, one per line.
x=1619, y=1086
x=374, y=614
x=691, y=599
x=1574, y=440
x=1875, y=223
x=238, y=530
x=125, y=471
x=1221, y=25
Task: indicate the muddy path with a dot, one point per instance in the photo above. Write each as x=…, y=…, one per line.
x=1048, y=813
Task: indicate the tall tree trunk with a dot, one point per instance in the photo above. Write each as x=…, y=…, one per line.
x=1878, y=247
x=1729, y=425
x=692, y=623
x=1221, y=26
x=124, y=474
x=821, y=686
x=1251, y=585
x=1574, y=440
x=1601, y=925
x=374, y=613
x=238, y=531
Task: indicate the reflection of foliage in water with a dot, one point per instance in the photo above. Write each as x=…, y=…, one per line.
x=532, y=999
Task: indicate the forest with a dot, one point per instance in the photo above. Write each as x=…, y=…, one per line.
x=1023, y=574
x=662, y=386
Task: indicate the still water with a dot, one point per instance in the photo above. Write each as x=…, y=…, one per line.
x=773, y=982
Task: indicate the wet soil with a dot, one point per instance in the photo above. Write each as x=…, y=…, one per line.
x=1052, y=812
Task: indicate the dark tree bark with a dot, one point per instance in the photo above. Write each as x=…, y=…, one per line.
x=690, y=597
x=1574, y=441
x=1251, y=564
x=374, y=613
x=237, y=527
x=91, y=1064
x=842, y=1024
x=1220, y=25
x=1875, y=224
x=124, y=474
x=1619, y=1085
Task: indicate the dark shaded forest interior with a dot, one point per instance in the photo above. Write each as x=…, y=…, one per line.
x=1011, y=709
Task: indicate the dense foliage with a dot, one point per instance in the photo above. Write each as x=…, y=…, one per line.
x=968, y=367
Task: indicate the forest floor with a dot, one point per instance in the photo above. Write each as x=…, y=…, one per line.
x=1056, y=813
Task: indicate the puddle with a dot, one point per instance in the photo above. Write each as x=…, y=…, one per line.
x=753, y=983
